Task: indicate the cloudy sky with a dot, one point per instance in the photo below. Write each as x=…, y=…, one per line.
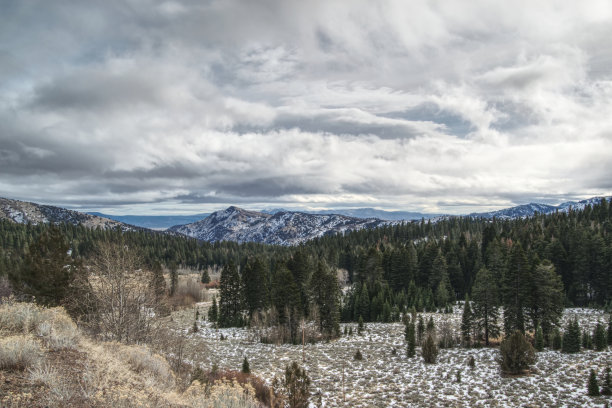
x=143, y=106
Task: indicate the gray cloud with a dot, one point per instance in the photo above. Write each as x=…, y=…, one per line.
x=188, y=105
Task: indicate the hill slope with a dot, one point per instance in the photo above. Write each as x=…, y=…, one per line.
x=23, y=212
x=281, y=228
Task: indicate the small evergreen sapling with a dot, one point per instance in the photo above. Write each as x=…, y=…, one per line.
x=430, y=349
x=410, y=337
x=593, y=387
x=360, y=326
x=517, y=354
x=245, y=366
x=358, y=355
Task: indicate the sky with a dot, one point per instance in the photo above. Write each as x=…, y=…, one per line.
x=159, y=107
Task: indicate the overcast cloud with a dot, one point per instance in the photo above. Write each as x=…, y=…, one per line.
x=145, y=106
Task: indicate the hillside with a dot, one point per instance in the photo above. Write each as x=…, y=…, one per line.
x=281, y=228
x=23, y=212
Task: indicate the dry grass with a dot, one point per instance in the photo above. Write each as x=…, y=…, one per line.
x=19, y=352
x=223, y=394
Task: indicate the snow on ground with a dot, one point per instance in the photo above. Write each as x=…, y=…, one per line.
x=385, y=379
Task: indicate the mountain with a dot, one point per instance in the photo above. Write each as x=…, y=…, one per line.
x=527, y=210
x=23, y=212
x=281, y=228
x=156, y=222
x=366, y=213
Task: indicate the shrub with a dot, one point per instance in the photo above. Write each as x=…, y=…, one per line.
x=358, y=355
x=222, y=394
x=143, y=362
x=517, y=354
x=429, y=349
x=261, y=391
x=245, y=366
x=19, y=352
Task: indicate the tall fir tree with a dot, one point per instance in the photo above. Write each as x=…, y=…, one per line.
x=516, y=286
x=326, y=297
x=546, y=298
x=467, y=321
x=173, y=278
x=486, y=300
x=255, y=289
x=599, y=337
x=571, y=337
x=230, y=302
x=410, y=339
x=213, y=312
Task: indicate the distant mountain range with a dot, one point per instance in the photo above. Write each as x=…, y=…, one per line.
x=276, y=226
x=281, y=228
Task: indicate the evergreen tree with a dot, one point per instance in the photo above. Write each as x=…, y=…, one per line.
x=539, y=339
x=593, y=387
x=429, y=348
x=410, y=338
x=297, y=386
x=326, y=296
x=158, y=282
x=486, y=300
x=599, y=337
x=255, y=291
x=517, y=354
x=546, y=298
x=360, y=326
x=606, y=388
x=430, y=325
x=173, y=278
x=245, y=366
x=467, y=322
x=213, y=312
x=420, y=329
x=516, y=285
x=48, y=271
x=556, y=339
x=571, y=337
x=609, y=336
x=205, y=278
x=230, y=302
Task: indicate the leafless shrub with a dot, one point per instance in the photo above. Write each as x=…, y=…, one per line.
x=19, y=352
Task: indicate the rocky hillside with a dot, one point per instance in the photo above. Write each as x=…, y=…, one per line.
x=527, y=210
x=281, y=228
x=24, y=212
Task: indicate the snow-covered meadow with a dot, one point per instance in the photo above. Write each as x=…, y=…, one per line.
x=385, y=378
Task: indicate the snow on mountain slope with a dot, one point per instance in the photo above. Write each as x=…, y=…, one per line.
x=281, y=228
x=527, y=210
x=22, y=212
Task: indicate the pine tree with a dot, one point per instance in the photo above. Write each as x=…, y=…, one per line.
x=516, y=286
x=571, y=337
x=245, y=366
x=158, y=282
x=609, y=336
x=467, y=322
x=593, y=387
x=255, y=290
x=205, y=278
x=297, y=386
x=599, y=337
x=517, y=354
x=420, y=330
x=173, y=278
x=48, y=271
x=410, y=338
x=606, y=388
x=230, y=302
x=360, y=326
x=556, y=339
x=539, y=339
x=546, y=298
x=429, y=348
x=213, y=312
x=430, y=324
x=486, y=301
x=326, y=296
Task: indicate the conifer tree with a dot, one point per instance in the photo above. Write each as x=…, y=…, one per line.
x=606, y=388
x=48, y=271
x=360, y=326
x=245, y=366
x=230, y=302
x=517, y=354
x=420, y=329
x=255, y=290
x=516, y=286
x=546, y=298
x=326, y=296
x=173, y=278
x=539, y=339
x=467, y=322
x=213, y=312
x=158, y=282
x=410, y=338
x=430, y=324
x=593, y=386
x=429, y=348
x=297, y=386
x=599, y=337
x=609, y=335
x=556, y=339
x=486, y=301
x=205, y=277
x=571, y=337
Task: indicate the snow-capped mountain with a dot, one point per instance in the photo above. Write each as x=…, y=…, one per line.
x=23, y=212
x=527, y=210
x=366, y=213
x=281, y=228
